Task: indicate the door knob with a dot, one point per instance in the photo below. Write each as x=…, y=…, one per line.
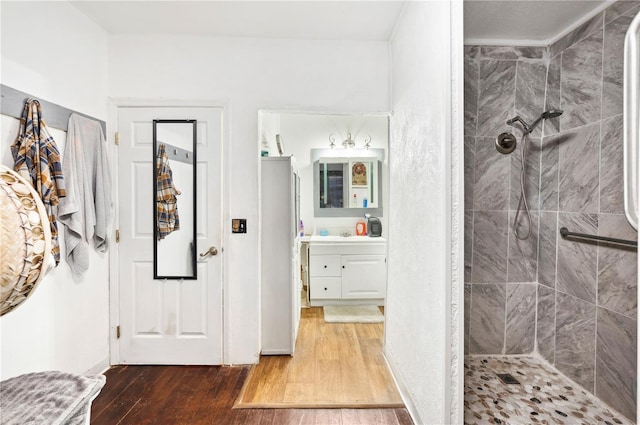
x=211, y=251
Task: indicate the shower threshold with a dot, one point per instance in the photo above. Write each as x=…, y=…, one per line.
x=543, y=395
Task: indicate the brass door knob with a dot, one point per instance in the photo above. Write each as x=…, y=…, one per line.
x=211, y=251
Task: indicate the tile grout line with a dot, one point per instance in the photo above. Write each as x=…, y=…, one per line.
x=597, y=265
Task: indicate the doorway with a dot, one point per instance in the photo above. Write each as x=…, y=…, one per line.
x=344, y=355
x=167, y=321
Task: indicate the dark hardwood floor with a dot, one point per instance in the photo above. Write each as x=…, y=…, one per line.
x=192, y=395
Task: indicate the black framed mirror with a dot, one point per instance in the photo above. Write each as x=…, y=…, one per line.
x=174, y=206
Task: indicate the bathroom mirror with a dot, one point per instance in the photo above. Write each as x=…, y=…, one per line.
x=174, y=207
x=347, y=183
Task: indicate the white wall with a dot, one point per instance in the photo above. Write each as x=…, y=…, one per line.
x=302, y=132
x=249, y=75
x=418, y=340
x=62, y=58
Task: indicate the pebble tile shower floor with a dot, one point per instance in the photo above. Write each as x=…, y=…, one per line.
x=543, y=396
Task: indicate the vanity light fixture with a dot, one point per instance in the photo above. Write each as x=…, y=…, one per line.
x=349, y=143
x=367, y=142
x=332, y=141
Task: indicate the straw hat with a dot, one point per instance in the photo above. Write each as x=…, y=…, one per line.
x=25, y=239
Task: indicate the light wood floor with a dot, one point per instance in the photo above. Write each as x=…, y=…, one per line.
x=335, y=365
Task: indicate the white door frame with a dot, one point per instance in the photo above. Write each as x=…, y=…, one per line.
x=114, y=284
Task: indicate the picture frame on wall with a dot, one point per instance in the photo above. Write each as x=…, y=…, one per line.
x=358, y=174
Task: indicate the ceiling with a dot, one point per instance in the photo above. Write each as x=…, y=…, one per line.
x=535, y=22
x=317, y=20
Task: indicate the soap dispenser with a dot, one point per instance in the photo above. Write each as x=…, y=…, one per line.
x=361, y=228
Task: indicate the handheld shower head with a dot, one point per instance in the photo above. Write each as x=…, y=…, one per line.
x=552, y=113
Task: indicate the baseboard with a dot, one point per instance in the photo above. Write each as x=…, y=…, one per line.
x=318, y=302
x=402, y=388
x=99, y=368
x=276, y=352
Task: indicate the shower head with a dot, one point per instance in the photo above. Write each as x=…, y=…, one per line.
x=551, y=113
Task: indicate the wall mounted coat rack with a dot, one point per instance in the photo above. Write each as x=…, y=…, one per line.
x=178, y=154
x=55, y=116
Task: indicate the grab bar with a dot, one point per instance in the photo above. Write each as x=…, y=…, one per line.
x=565, y=233
x=631, y=121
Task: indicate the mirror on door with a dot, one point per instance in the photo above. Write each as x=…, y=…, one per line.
x=174, y=188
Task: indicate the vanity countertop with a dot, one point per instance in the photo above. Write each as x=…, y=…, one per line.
x=346, y=239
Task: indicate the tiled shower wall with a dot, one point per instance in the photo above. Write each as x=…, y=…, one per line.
x=572, y=302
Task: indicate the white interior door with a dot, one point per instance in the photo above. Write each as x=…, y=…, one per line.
x=168, y=321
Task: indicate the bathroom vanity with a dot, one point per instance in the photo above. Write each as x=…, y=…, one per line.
x=347, y=270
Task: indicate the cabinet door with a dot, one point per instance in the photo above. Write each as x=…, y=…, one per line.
x=364, y=276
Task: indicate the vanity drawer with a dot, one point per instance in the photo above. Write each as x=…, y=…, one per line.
x=326, y=287
x=325, y=265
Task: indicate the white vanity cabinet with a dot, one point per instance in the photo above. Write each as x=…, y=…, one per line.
x=350, y=270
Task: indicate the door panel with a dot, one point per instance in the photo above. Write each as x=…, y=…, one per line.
x=168, y=321
x=363, y=276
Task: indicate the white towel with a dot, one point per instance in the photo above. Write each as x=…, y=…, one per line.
x=87, y=209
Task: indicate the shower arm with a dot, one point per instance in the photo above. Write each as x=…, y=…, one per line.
x=524, y=124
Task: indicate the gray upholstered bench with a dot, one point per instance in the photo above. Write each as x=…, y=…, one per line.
x=48, y=398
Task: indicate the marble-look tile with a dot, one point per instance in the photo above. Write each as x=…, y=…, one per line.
x=621, y=7
x=547, y=248
x=553, y=99
x=467, y=316
x=523, y=254
x=486, y=333
x=617, y=267
x=578, y=168
x=469, y=171
x=611, y=166
x=581, y=82
x=577, y=260
x=531, y=176
x=496, y=96
x=549, y=173
x=531, y=78
x=575, y=339
x=471, y=52
x=521, y=318
x=471, y=72
x=489, y=246
x=613, y=66
x=468, y=244
x=576, y=35
x=543, y=396
x=491, y=169
x=616, y=362
x=512, y=53
x=546, y=323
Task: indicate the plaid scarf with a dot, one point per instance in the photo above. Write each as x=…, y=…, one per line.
x=167, y=218
x=37, y=159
